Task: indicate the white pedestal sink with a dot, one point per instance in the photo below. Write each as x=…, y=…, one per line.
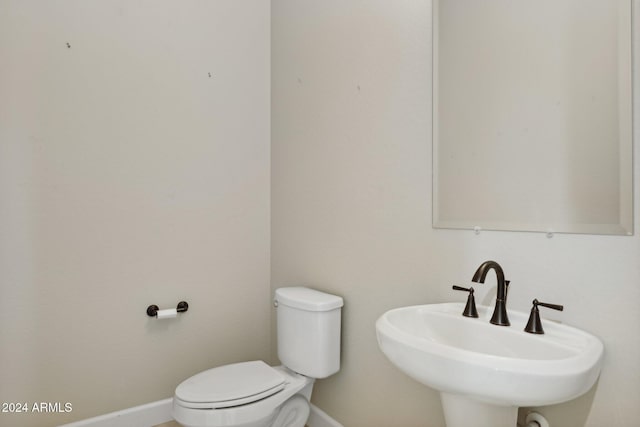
x=485, y=372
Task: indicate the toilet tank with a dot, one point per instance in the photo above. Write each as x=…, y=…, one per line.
x=309, y=324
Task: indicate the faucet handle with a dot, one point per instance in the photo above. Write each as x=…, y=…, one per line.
x=534, y=325
x=470, y=308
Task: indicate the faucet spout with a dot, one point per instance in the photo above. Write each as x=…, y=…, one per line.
x=500, y=311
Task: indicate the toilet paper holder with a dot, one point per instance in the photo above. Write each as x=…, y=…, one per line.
x=152, y=310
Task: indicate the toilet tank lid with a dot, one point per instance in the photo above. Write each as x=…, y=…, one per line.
x=307, y=299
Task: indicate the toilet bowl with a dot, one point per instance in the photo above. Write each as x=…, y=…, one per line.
x=254, y=394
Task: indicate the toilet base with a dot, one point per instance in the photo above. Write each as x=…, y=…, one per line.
x=293, y=413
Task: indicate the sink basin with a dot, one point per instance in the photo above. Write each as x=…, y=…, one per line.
x=498, y=366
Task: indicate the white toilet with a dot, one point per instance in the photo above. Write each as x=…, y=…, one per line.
x=254, y=394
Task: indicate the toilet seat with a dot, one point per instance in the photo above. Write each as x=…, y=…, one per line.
x=230, y=385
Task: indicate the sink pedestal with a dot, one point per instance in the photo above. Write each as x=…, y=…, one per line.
x=461, y=411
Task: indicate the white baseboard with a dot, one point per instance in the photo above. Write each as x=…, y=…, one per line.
x=319, y=418
x=159, y=412
x=146, y=415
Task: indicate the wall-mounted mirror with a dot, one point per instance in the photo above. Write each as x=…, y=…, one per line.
x=532, y=126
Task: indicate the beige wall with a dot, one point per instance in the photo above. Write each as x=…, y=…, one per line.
x=129, y=176
x=351, y=214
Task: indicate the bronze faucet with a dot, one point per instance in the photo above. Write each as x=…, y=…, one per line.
x=500, y=311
